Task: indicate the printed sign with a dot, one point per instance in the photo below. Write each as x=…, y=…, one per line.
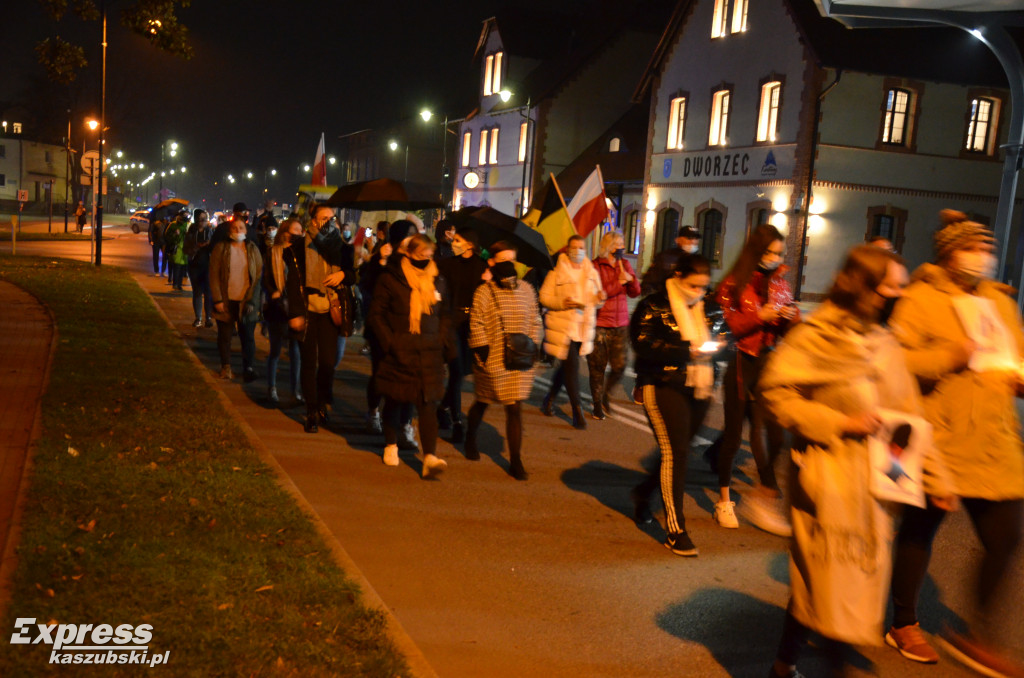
x=753, y=164
x=22, y=196
x=897, y=458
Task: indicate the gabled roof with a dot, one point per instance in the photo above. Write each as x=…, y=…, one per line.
x=624, y=167
x=941, y=54
x=535, y=34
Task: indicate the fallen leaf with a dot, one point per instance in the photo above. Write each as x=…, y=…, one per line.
x=261, y=589
x=72, y=451
x=166, y=449
x=192, y=501
x=225, y=606
x=89, y=526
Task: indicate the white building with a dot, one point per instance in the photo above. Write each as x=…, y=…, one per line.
x=34, y=167
x=909, y=122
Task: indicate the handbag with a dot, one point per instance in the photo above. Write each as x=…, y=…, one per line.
x=342, y=309
x=520, y=350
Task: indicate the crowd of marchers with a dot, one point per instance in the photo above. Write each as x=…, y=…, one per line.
x=943, y=346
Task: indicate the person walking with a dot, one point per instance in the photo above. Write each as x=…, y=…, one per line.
x=275, y=309
x=663, y=265
x=670, y=337
x=319, y=273
x=501, y=306
x=235, y=268
x=758, y=307
x=827, y=382
x=961, y=334
x=409, y=319
x=156, y=241
x=198, y=239
x=174, y=244
x=81, y=215
x=612, y=335
x=572, y=293
x=463, y=272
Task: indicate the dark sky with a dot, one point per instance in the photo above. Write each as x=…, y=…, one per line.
x=267, y=78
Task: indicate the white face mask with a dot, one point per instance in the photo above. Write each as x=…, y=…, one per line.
x=577, y=256
x=770, y=264
x=458, y=250
x=691, y=249
x=238, y=237
x=976, y=264
x=272, y=233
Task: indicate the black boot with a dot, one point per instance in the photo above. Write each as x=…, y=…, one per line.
x=444, y=418
x=545, y=406
x=598, y=411
x=310, y=425
x=458, y=432
x=472, y=453
x=578, y=420
x=516, y=469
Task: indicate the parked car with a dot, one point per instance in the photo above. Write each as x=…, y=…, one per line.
x=140, y=219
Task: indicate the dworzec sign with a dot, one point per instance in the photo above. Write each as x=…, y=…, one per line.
x=758, y=163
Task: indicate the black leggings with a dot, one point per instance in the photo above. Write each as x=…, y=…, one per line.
x=457, y=370
x=998, y=526
x=568, y=375
x=393, y=417
x=319, y=353
x=513, y=424
x=740, y=406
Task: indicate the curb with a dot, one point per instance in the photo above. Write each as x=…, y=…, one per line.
x=418, y=664
x=9, y=558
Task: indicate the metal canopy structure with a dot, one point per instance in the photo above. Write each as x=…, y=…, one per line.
x=987, y=21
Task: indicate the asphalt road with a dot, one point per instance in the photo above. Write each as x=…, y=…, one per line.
x=493, y=577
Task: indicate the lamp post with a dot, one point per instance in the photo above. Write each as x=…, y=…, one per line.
x=67, y=170
x=393, y=145
x=163, y=160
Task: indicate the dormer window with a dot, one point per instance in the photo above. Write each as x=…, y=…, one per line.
x=614, y=145
x=730, y=17
x=492, y=73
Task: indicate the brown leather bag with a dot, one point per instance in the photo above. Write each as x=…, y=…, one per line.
x=342, y=308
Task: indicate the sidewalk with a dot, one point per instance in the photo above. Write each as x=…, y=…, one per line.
x=27, y=336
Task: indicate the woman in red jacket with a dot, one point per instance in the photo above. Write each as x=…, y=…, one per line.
x=619, y=282
x=758, y=307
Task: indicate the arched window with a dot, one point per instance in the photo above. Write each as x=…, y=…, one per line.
x=614, y=144
x=632, y=231
x=668, y=229
x=710, y=223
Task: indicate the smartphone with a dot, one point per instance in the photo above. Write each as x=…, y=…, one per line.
x=709, y=347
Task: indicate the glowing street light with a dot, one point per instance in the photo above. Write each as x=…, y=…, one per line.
x=426, y=114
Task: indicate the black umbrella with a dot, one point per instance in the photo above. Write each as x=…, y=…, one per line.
x=383, y=194
x=493, y=226
x=172, y=205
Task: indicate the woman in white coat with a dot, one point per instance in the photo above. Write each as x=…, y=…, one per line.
x=572, y=293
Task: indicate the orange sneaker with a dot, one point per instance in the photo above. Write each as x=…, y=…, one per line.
x=912, y=644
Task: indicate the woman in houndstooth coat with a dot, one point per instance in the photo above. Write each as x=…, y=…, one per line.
x=503, y=305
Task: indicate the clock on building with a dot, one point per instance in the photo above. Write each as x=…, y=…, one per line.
x=471, y=180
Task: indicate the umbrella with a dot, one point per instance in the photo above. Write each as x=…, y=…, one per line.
x=492, y=226
x=162, y=208
x=383, y=194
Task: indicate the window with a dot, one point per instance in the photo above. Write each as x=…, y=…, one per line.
x=632, y=222
x=494, y=146
x=980, y=125
x=3, y=179
x=884, y=226
x=710, y=226
x=3, y=151
x=467, y=141
x=768, y=113
x=897, y=105
x=482, y=157
x=676, y=123
x=48, y=156
x=668, y=229
x=730, y=17
x=887, y=222
x=758, y=212
x=614, y=145
x=492, y=73
x=524, y=132
x=719, y=118
x=17, y=127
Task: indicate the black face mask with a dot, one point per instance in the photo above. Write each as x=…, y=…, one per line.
x=619, y=253
x=886, y=311
x=419, y=263
x=502, y=271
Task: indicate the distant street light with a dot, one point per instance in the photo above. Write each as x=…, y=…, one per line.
x=393, y=145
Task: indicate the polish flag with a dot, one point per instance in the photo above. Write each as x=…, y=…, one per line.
x=320, y=165
x=588, y=208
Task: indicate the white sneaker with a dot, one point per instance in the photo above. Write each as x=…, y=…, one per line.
x=767, y=516
x=725, y=516
x=433, y=466
x=391, y=455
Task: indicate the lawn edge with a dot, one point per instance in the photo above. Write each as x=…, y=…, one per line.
x=418, y=664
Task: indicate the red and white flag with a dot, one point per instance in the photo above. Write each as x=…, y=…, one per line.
x=320, y=165
x=588, y=208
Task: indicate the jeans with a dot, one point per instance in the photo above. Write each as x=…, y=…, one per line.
x=279, y=334
x=201, y=301
x=457, y=370
x=158, y=258
x=246, y=332
x=177, y=275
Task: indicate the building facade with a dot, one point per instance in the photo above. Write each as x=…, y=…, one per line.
x=41, y=169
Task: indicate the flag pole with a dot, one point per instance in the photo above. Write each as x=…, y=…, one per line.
x=562, y=200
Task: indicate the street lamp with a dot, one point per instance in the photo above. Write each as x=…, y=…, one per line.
x=427, y=114
x=172, y=146
x=393, y=145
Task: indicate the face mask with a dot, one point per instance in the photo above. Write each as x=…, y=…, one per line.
x=976, y=264
x=458, y=250
x=577, y=256
x=619, y=253
x=691, y=249
x=887, y=308
x=769, y=264
x=693, y=297
x=346, y=234
x=272, y=233
x=502, y=270
x=238, y=237
x=419, y=263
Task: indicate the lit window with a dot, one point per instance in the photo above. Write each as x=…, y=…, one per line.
x=17, y=127
x=483, y=147
x=457, y=203
x=981, y=123
x=494, y=146
x=719, y=119
x=524, y=131
x=496, y=78
x=467, y=141
x=768, y=114
x=488, y=68
x=633, y=231
x=897, y=103
x=676, y=123
x=730, y=17
x=614, y=145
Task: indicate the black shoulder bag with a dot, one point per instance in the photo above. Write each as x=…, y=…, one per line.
x=520, y=349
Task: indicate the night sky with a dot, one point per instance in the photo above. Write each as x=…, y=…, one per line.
x=266, y=79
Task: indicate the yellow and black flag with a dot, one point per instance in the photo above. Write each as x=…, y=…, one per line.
x=549, y=216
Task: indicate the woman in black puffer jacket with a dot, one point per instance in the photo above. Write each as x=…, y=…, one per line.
x=408, y=321
x=674, y=371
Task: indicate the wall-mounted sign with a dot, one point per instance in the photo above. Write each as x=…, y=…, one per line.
x=471, y=180
x=755, y=164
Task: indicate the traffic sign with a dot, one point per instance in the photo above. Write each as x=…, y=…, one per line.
x=22, y=196
x=89, y=161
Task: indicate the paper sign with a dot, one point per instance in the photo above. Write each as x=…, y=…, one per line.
x=995, y=349
x=897, y=454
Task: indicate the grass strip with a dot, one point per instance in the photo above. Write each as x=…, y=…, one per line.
x=147, y=506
